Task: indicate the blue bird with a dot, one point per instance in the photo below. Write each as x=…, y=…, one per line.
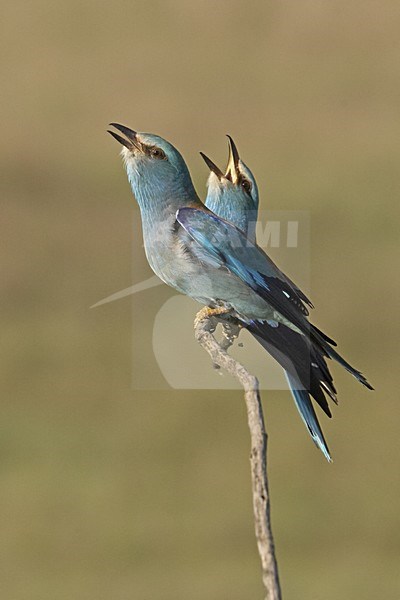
x=233, y=195
x=204, y=256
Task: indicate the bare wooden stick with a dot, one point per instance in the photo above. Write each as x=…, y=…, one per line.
x=204, y=326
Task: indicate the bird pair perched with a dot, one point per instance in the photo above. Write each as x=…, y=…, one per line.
x=209, y=252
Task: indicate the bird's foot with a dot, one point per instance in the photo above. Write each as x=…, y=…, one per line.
x=207, y=313
x=230, y=326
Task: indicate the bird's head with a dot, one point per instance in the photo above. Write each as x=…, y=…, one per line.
x=237, y=183
x=155, y=168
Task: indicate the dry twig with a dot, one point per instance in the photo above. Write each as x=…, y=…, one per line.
x=205, y=325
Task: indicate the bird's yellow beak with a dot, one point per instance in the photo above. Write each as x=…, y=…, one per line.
x=232, y=168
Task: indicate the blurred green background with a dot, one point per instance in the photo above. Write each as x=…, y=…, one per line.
x=107, y=492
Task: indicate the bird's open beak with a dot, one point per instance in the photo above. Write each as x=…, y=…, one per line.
x=212, y=166
x=131, y=142
x=232, y=168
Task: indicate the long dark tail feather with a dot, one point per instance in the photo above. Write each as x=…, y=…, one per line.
x=304, y=406
x=307, y=372
x=330, y=352
x=323, y=335
x=297, y=356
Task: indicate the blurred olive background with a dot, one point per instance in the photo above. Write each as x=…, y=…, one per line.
x=107, y=492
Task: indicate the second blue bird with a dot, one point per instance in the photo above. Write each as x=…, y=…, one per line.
x=233, y=195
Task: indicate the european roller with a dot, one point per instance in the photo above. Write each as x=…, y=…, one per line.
x=233, y=195
x=205, y=256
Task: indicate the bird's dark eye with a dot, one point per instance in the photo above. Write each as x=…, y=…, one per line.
x=157, y=153
x=246, y=185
